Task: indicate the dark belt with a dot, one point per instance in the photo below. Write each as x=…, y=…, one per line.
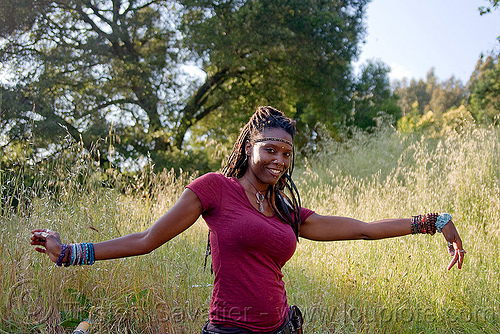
x=293, y=326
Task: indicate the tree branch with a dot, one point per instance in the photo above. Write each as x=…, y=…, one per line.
x=97, y=13
x=193, y=111
x=130, y=8
x=94, y=26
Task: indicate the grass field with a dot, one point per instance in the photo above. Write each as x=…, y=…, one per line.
x=386, y=286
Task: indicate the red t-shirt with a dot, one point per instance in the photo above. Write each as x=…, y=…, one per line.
x=248, y=251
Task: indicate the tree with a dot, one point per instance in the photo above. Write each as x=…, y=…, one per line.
x=293, y=54
x=447, y=95
x=485, y=89
x=19, y=15
x=85, y=65
x=494, y=5
x=373, y=95
x=114, y=68
x=415, y=91
x=430, y=95
x=14, y=125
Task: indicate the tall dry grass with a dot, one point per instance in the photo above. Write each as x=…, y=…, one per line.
x=402, y=285
x=393, y=285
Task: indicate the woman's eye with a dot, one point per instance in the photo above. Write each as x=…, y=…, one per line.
x=270, y=150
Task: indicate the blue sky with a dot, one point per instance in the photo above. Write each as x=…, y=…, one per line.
x=413, y=36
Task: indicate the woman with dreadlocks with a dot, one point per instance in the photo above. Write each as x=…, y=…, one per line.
x=254, y=214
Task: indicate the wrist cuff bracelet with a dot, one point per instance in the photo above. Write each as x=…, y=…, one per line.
x=442, y=220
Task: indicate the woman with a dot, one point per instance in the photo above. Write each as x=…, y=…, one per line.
x=254, y=215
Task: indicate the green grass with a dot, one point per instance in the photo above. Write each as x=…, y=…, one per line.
x=386, y=286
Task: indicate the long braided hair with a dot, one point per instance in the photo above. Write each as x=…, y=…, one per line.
x=284, y=197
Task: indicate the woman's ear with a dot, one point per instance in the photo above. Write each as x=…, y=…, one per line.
x=248, y=148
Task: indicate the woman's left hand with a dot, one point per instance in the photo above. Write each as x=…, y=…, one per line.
x=49, y=240
x=454, y=245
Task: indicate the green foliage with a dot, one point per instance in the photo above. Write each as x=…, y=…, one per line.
x=435, y=107
x=294, y=55
x=19, y=15
x=373, y=96
x=433, y=124
x=70, y=323
x=485, y=90
x=112, y=76
x=430, y=94
x=88, y=68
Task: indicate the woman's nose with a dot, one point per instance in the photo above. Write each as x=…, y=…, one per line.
x=279, y=163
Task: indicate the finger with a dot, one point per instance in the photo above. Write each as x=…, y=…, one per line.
x=39, y=230
x=40, y=237
x=37, y=241
x=461, y=256
x=458, y=257
x=37, y=237
x=43, y=230
x=451, y=249
x=41, y=250
x=453, y=261
x=459, y=250
x=44, y=233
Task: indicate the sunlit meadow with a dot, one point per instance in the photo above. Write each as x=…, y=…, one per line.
x=387, y=286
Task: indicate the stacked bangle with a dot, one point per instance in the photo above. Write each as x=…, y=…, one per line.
x=79, y=254
x=415, y=224
x=429, y=223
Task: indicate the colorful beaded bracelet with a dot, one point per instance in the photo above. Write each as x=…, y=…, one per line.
x=429, y=223
x=425, y=224
x=415, y=224
x=61, y=256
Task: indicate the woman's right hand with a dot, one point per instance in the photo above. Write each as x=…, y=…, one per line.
x=49, y=240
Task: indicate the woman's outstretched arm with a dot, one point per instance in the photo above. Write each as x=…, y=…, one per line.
x=181, y=216
x=332, y=228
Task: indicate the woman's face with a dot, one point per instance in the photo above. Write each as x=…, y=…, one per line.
x=269, y=159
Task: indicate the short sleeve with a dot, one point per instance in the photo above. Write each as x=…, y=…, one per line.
x=304, y=214
x=208, y=188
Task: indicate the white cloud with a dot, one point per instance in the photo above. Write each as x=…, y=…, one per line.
x=399, y=72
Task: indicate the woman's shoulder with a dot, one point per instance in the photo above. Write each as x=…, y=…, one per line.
x=212, y=179
x=212, y=176
x=212, y=188
x=217, y=175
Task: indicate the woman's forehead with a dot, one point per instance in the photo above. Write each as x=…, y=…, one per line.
x=276, y=135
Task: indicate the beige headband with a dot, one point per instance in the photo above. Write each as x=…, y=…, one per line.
x=275, y=139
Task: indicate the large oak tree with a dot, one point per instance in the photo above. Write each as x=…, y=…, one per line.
x=114, y=69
